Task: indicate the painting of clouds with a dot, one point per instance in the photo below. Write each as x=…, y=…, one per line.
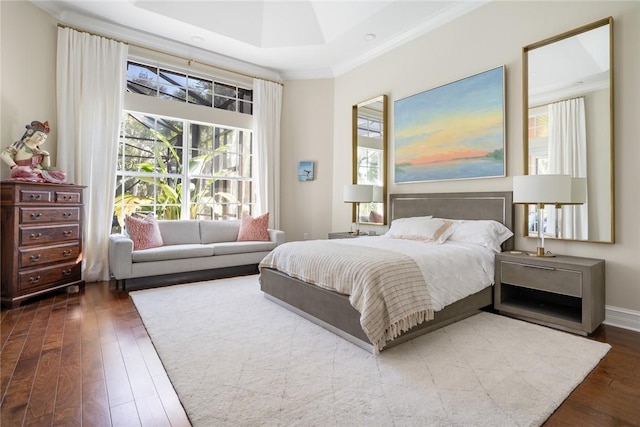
x=455, y=131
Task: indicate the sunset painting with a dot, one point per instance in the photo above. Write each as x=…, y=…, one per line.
x=455, y=131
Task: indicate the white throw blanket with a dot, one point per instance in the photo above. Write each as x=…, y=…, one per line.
x=386, y=287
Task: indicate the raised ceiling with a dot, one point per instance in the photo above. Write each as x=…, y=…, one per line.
x=293, y=39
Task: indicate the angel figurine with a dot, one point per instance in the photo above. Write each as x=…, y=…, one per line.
x=27, y=161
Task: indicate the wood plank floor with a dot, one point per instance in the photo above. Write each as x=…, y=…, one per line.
x=85, y=359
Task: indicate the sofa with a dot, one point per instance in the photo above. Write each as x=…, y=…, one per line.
x=191, y=250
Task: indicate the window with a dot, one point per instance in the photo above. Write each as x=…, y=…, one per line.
x=166, y=84
x=179, y=166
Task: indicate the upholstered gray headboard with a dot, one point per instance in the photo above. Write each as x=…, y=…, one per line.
x=482, y=205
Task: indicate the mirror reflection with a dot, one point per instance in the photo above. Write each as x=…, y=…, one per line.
x=370, y=156
x=567, y=83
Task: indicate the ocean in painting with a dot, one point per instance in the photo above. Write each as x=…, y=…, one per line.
x=452, y=169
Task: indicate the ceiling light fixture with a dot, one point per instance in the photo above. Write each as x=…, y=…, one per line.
x=197, y=39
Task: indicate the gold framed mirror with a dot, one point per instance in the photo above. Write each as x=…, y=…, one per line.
x=369, y=154
x=567, y=85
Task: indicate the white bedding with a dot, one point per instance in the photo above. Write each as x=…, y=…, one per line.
x=452, y=270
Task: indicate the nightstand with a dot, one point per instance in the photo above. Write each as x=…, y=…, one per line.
x=343, y=235
x=562, y=292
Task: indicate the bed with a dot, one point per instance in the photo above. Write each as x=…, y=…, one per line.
x=334, y=311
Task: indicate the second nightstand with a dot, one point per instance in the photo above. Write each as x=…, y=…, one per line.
x=343, y=235
x=561, y=292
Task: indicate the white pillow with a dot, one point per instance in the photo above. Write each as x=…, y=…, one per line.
x=423, y=229
x=488, y=233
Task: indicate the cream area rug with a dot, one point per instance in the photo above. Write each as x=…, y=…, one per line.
x=237, y=359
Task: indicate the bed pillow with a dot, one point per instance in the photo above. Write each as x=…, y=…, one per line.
x=145, y=232
x=254, y=229
x=488, y=233
x=423, y=229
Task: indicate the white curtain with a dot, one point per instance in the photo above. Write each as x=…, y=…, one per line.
x=90, y=86
x=568, y=156
x=267, y=107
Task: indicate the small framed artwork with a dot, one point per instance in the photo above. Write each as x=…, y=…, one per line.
x=305, y=171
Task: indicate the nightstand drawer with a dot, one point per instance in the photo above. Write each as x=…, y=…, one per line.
x=556, y=280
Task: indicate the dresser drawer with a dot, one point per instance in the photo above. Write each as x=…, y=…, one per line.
x=41, y=278
x=33, y=195
x=41, y=255
x=68, y=196
x=46, y=215
x=556, y=280
x=49, y=234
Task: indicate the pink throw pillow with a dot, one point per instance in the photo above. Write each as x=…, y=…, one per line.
x=145, y=233
x=254, y=228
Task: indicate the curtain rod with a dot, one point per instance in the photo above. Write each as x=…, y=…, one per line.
x=189, y=60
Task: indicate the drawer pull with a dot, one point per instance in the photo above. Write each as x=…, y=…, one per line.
x=36, y=215
x=35, y=196
x=34, y=257
x=66, y=214
x=66, y=272
x=67, y=197
x=66, y=252
x=539, y=267
x=67, y=232
x=34, y=279
x=35, y=236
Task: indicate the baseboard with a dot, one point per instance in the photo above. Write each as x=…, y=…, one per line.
x=622, y=318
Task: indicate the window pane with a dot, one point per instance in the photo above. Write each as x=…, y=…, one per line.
x=226, y=90
x=172, y=92
x=200, y=91
x=167, y=77
x=141, y=79
x=224, y=103
x=245, y=107
x=245, y=94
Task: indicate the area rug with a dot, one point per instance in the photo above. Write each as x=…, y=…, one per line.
x=237, y=359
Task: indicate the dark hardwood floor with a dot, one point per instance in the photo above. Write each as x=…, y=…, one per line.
x=85, y=359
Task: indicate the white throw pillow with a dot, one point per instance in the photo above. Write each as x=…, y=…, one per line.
x=423, y=229
x=488, y=233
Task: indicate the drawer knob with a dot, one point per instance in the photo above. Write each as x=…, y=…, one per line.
x=66, y=272
x=35, y=236
x=66, y=252
x=66, y=214
x=34, y=257
x=36, y=215
x=34, y=279
x=35, y=196
x=67, y=232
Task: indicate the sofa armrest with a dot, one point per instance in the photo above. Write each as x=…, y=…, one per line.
x=120, y=256
x=276, y=236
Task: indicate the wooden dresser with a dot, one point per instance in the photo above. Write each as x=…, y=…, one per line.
x=41, y=239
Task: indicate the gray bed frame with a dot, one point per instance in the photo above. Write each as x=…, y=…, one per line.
x=333, y=311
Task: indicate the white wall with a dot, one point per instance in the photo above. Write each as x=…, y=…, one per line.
x=493, y=35
x=28, y=78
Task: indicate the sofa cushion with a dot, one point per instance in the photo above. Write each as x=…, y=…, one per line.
x=194, y=250
x=254, y=228
x=212, y=231
x=179, y=232
x=144, y=233
x=229, y=248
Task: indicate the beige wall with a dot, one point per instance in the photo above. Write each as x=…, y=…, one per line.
x=488, y=37
x=28, y=78
x=307, y=134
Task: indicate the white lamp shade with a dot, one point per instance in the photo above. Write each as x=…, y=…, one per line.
x=354, y=193
x=579, y=190
x=545, y=189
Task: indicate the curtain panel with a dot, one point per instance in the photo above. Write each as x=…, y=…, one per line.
x=267, y=109
x=90, y=86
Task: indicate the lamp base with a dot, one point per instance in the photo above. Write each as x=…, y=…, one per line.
x=541, y=253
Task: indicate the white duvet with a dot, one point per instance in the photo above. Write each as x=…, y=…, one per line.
x=452, y=270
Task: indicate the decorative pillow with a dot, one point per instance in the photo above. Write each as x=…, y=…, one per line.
x=254, y=228
x=424, y=229
x=488, y=233
x=145, y=233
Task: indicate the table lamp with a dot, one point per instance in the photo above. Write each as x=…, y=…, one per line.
x=358, y=193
